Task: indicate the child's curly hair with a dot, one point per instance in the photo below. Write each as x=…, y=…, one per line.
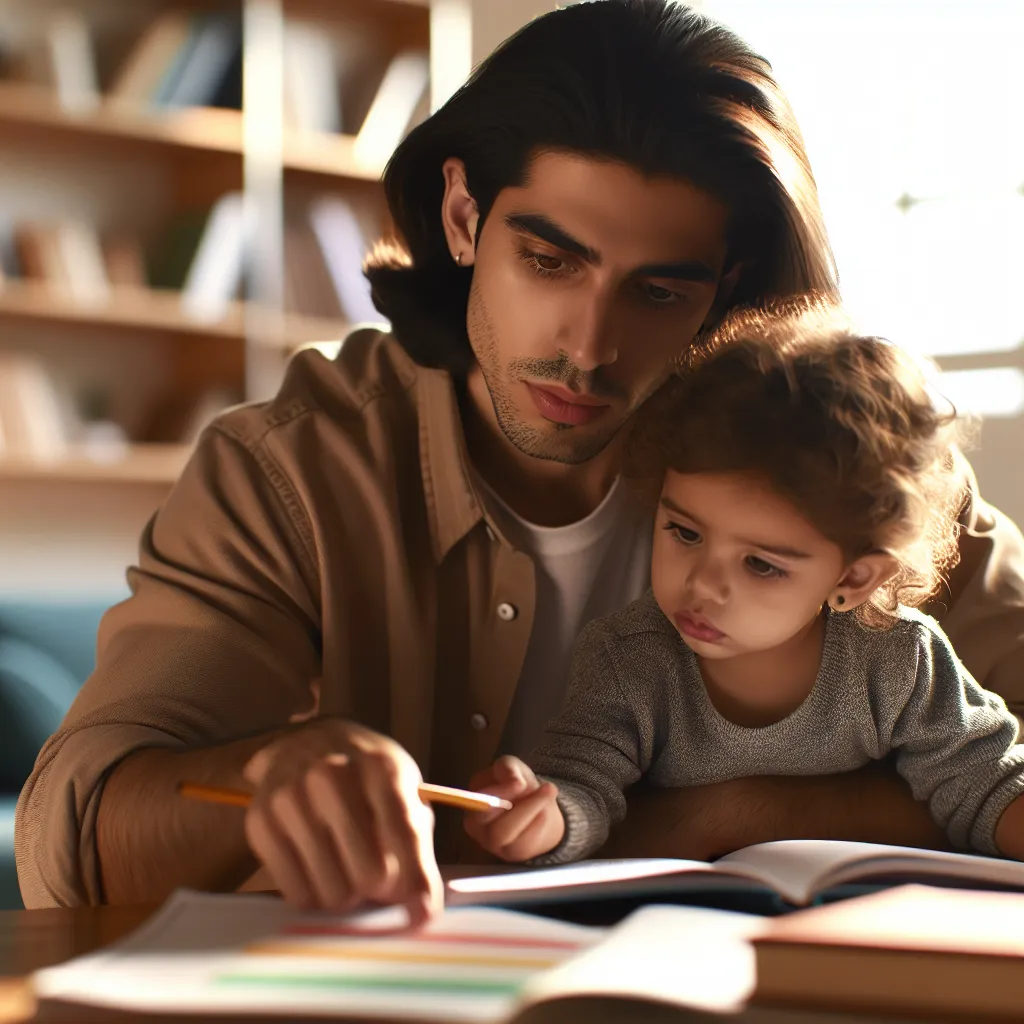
x=841, y=425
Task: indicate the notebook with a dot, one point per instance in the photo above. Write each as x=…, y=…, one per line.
x=799, y=871
x=238, y=954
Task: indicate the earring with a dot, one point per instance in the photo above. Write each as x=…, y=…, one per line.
x=458, y=259
x=840, y=600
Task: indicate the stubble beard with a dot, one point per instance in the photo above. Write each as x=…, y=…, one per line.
x=560, y=442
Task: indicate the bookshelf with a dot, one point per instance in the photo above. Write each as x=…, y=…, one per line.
x=138, y=170
x=133, y=312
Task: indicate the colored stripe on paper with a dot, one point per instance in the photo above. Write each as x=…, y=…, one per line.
x=396, y=956
x=375, y=983
x=467, y=938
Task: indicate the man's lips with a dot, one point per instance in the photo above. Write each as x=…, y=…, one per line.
x=562, y=406
x=697, y=627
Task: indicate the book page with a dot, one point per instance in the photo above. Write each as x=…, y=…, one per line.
x=598, y=879
x=688, y=957
x=249, y=954
x=799, y=869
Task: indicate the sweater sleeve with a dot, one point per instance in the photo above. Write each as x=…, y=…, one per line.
x=594, y=749
x=957, y=746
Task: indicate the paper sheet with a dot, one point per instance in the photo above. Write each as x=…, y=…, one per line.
x=250, y=953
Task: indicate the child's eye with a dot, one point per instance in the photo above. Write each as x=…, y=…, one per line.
x=759, y=567
x=683, y=534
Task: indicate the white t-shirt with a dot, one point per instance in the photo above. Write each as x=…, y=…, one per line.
x=583, y=571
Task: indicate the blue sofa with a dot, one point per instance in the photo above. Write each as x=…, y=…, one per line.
x=47, y=649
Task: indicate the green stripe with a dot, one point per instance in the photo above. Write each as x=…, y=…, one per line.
x=376, y=982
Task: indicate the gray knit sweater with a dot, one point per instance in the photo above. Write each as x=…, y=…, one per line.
x=637, y=708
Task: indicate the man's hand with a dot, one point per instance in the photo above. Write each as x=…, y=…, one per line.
x=337, y=819
x=534, y=825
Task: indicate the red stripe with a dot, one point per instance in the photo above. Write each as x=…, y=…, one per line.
x=449, y=938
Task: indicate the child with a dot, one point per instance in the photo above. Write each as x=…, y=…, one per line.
x=807, y=503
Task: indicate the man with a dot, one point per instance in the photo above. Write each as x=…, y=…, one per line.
x=377, y=576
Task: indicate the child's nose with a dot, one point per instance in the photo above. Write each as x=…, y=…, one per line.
x=708, y=581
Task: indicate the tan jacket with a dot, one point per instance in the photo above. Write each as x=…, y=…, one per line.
x=326, y=552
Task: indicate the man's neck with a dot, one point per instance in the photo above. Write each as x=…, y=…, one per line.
x=541, y=491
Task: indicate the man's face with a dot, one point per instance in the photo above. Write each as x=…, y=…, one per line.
x=588, y=280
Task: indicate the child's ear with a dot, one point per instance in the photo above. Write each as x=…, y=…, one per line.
x=861, y=580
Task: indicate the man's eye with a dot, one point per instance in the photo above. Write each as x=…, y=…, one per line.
x=550, y=263
x=759, y=567
x=660, y=296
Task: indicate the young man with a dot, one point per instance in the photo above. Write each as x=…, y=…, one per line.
x=377, y=576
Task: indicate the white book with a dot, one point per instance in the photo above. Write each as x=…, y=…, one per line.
x=399, y=95
x=72, y=61
x=311, y=78
x=218, y=267
x=81, y=253
x=32, y=421
x=341, y=241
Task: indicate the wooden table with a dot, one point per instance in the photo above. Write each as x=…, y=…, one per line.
x=32, y=939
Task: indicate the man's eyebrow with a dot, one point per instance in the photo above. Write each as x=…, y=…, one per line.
x=683, y=270
x=772, y=549
x=547, y=230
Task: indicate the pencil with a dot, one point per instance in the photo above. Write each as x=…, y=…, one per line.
x=432, y=794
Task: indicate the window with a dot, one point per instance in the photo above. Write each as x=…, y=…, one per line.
x=911, y=112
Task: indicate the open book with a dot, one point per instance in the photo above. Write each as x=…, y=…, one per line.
x=212, y=954
x=797, y=870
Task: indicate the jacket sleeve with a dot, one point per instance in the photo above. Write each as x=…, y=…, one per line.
x=982, y=608
x=218, y=640
x=956, y=746
x=593, y=750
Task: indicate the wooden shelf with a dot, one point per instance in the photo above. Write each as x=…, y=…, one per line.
x=31, y=110
x=142, y=464
x=152, y=312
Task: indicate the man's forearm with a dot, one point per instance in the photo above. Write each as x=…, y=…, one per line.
x=872, y=804
x=150, y=840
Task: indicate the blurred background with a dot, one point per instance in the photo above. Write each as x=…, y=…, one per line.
x=188, y=187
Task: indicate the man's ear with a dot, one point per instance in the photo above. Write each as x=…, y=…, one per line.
x=459, y=215
x=861, y=579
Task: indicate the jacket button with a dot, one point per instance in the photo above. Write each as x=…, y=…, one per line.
x=507, y=612
x=478, y=722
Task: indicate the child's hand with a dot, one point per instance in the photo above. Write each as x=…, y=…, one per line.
x=534, y=825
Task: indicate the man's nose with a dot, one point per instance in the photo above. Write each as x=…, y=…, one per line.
x=591, y=341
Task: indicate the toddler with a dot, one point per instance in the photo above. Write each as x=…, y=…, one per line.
x=807, y=502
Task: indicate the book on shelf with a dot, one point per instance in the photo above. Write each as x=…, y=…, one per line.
x=398, y=97
x=183, y=59
x=217, y=271
x=797, y=871
x=68, y=256
x=911, y=950
x=337, y=229
x=33, y=421
x=312, y=99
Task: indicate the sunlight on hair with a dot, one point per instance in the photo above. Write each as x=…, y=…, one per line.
x=994, y=391
x=328, y=349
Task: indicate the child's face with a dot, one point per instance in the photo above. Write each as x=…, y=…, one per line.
x=736, y=568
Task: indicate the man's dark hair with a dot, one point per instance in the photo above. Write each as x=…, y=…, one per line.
x=648, y=83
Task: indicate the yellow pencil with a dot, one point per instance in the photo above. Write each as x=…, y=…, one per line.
x=432, y=794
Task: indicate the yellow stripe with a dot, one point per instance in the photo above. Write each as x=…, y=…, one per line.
x=397, y=956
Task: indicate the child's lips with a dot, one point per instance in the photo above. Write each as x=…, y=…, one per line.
x=697, y=627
